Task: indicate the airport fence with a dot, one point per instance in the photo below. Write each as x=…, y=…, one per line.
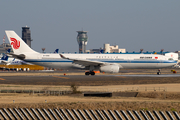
x=73, y=114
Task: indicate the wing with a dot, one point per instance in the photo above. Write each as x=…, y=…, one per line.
x=83, y=61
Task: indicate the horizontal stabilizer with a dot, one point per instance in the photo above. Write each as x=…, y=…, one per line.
x=21, y=56
x=4, y=62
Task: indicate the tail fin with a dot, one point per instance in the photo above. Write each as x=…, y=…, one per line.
x=17, y=44
x=5, y=57
x=8, y=51
x=56, y=51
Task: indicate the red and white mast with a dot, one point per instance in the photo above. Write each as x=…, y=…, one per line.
x=4, y=40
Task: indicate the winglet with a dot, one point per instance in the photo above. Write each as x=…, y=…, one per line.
x=62, y=56
x=8, y=51
x=56, y=51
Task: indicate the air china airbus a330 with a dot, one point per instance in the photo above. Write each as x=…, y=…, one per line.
x=110, y=63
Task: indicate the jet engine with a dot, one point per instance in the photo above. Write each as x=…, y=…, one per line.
x=110, y=68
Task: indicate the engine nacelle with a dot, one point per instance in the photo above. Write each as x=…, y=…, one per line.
x=110, y=68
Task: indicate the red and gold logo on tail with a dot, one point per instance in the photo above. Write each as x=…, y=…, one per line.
x=15, y=43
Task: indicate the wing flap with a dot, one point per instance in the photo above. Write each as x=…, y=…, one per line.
x=87, y=62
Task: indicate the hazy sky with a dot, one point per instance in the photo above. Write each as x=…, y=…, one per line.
x=131, y=24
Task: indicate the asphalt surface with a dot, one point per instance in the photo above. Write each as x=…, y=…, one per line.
x=166, y=75
x=96, y=80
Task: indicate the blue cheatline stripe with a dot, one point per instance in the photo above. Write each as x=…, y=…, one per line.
x=108, y=61
x=140, y=61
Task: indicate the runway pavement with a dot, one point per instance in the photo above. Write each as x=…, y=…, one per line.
x=165, y=75
x=82, y=80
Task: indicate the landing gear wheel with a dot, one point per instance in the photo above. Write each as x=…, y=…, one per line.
x=87, y=73
x=158, y=73
x=92, y=73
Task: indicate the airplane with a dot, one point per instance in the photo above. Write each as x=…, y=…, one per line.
x=109, y=63
x=6, y=60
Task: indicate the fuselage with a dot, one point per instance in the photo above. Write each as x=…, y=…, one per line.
x=136, y=61
x=11, y=61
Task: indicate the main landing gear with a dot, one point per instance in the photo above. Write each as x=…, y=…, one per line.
x=90, y=73
x=159, y=72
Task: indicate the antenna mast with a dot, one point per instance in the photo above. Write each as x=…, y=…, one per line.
x=4, y=40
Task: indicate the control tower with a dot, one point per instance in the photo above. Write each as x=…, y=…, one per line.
x=26, y=35
x=82, y=41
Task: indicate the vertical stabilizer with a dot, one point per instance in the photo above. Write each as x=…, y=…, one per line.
x=17, y=44
x=5, y=57
x=56, y=51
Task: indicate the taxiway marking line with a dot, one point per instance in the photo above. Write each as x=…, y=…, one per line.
x=61, y=77
x=2, y=79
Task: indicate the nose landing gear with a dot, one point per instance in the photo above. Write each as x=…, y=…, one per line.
x=90, y=73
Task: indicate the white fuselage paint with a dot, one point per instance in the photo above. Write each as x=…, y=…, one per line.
x=122, y=60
